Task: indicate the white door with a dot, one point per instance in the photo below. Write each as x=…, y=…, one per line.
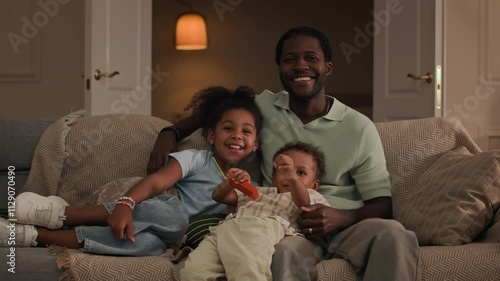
x=408, y=46
x=118, y=56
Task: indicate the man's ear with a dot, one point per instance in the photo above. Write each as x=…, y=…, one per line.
x=329, y=68
x=211, y=136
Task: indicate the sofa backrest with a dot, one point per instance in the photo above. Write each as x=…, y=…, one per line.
x=77, y=154
x=412, y=146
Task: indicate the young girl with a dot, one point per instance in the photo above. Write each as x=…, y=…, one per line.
x=143, y=222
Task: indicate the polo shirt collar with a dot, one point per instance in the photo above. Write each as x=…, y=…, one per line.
x=336, y=113
x=282, y=100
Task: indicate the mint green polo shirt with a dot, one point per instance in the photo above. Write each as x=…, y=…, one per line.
x=355, y=163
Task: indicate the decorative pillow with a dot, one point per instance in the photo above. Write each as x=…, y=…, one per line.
x=454, y=199
x=412, y=146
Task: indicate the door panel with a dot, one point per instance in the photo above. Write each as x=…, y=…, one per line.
x=406, y=44
x=118, y=38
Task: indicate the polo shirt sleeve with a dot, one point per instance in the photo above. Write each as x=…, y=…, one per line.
x=371, y=175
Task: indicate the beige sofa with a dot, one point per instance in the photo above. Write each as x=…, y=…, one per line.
x=444, y=188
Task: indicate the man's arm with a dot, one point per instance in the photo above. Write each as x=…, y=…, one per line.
x=372, y=181
x=166, y=142
x=325, y=220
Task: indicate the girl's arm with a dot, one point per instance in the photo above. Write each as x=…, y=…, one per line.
x=120, y=220
x=156, y=183
x=224, y=193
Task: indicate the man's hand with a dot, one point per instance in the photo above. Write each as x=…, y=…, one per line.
x=319, y=220
x=165, y=143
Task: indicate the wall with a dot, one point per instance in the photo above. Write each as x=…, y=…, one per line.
x=472, y=68
x=41, y=57
x=44, y=77
x=241, y=47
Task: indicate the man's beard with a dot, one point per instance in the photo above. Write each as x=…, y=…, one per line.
x=305, y=98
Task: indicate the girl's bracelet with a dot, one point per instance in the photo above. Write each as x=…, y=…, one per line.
x=124, y=200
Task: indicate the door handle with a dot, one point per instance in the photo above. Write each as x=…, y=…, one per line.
x=98, y=74
x=427, y=77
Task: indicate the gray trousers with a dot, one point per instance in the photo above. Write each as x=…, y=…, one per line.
x=380, y=250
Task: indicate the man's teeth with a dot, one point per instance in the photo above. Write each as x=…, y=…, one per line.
x=302, y=79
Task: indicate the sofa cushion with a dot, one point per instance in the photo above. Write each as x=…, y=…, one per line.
x=18, y=140
x=454, y=200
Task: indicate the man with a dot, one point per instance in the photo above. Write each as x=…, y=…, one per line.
x=357, y=227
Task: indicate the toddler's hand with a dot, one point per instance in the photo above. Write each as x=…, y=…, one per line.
x=284, y=164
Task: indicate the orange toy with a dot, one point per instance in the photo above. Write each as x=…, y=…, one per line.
x=246, y=187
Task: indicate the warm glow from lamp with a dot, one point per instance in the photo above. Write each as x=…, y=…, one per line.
x=191, y=32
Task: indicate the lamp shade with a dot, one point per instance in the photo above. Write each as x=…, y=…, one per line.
x=190, y=32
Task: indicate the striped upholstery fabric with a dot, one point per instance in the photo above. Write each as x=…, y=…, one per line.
x=455, y=199
x=412, y=146
x=122, y=150
x=471, y=262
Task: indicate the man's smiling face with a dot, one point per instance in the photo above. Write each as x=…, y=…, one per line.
x=303, y=69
